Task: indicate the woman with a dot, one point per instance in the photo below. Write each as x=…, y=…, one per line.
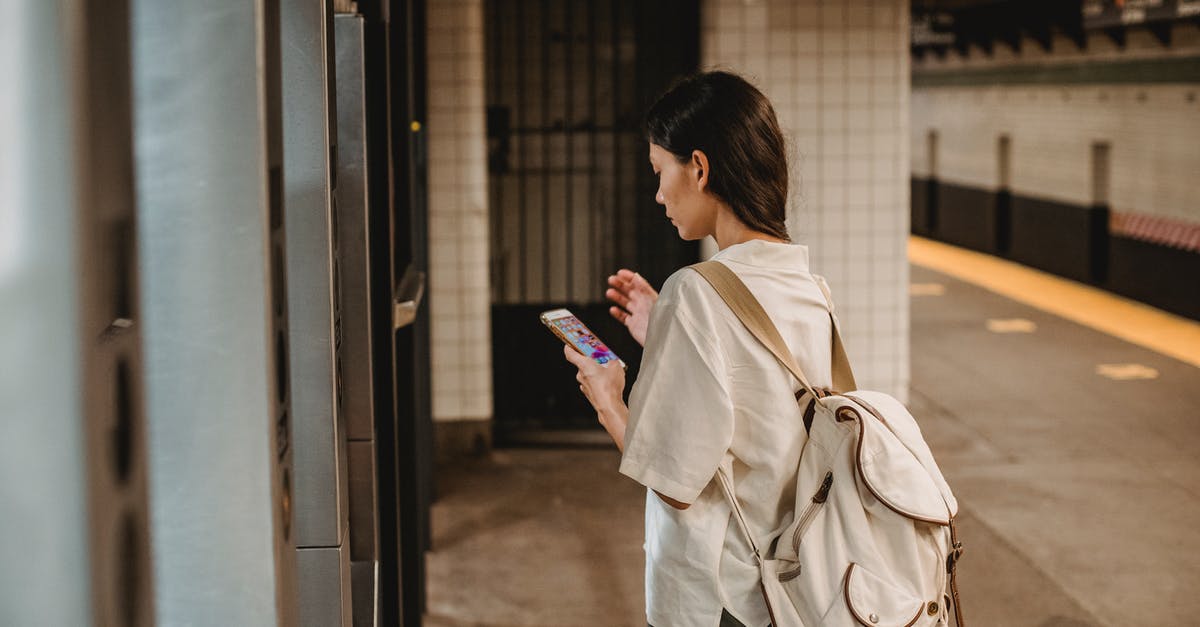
x=709, y=396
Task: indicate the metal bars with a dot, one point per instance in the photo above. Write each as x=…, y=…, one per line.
x=562, y=127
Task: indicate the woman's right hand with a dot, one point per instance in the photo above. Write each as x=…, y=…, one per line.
x=634, y=299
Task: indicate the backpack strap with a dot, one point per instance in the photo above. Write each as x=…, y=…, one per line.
x=750, y=312
x=841, y=363
x=747, y=308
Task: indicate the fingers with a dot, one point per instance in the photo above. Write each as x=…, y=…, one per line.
x=573, y=356
x=624, y=279
x=628, y=282
x=639, y=282
x=620, y=298
x=621, y=315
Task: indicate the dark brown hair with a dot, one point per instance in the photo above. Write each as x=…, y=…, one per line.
x=732, y=123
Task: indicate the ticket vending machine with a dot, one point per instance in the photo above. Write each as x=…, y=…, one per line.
x=314, y=313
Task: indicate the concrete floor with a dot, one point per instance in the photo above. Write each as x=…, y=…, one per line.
x=1079, y=497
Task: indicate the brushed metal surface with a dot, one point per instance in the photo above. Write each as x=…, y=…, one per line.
x=312, y=272
x=325, y=599
x=106, y=256
x=43, y=490
x=353, y=236
x=207, y=123
x=364, y=512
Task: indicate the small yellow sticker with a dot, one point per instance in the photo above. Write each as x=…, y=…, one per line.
x=415, y=126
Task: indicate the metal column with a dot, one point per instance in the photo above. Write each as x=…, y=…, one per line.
x=74, y=541
x=315, y=327
x=213, y=294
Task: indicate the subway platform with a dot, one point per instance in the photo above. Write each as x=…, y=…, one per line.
x=1064, y=418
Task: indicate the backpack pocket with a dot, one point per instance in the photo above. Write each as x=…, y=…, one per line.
x=870, y=601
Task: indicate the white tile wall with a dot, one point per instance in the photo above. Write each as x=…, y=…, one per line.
x=460, y=307
x=838, y=76
x=1153, y=130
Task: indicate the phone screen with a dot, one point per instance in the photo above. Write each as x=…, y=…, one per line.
x=582, y=338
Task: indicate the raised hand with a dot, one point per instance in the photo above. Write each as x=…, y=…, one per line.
x=634, y=299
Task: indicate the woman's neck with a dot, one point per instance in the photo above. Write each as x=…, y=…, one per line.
x=730, y=231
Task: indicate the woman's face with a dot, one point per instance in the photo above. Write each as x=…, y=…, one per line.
x=688, y=206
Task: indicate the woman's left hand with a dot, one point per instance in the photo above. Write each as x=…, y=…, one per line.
x=604, y=387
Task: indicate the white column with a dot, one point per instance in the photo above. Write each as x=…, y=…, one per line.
x=460, y=298
x=837, y=73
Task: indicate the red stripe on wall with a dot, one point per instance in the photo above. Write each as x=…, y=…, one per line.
x=1158, y=230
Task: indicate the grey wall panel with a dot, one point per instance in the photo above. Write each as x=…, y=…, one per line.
x=309, y=142
x=353, y=237
x=325, y=596
x=206, y=102
x=353, y=245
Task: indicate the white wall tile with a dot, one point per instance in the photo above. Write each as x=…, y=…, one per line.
x=460, y=308
x=1155, y=147
x=837, y=73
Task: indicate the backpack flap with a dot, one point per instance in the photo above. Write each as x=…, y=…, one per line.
x=894, y=476
x=894, y=418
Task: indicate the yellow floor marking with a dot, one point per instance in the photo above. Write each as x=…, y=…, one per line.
x=1011, y=325
x=926, y=289
x=1125, y=372
x=1134, y=322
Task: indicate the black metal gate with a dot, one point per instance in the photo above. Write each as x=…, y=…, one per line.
x=571, y=190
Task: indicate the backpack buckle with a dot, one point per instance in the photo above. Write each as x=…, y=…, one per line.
x=956, y=552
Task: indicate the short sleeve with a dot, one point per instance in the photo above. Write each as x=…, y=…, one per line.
x=680, y=409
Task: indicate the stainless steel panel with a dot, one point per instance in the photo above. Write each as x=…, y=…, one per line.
x=43, y=488
x=113, y=400
x=74, y=541
x=364, y=578
x=364, y=512
x=353, y=236
x=309, y=138
x=325, y=598
x=206, y=101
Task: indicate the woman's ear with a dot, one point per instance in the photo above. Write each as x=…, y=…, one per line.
x=700, y=165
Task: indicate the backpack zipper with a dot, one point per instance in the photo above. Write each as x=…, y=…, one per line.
x=806, y=520
x=810, y=512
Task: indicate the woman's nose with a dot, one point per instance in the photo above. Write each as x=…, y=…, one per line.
x=658, y=198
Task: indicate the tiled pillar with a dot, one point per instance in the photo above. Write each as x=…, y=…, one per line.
x=460, y=300
x=838, y=76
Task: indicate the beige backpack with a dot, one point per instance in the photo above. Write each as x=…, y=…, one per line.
x=872, y=539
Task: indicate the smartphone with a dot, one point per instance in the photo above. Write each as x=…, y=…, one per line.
x=569, y=329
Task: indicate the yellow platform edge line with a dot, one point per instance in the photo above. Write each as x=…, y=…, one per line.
x=1129, y=320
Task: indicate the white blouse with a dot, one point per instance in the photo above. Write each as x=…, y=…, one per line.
x=709, y=395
